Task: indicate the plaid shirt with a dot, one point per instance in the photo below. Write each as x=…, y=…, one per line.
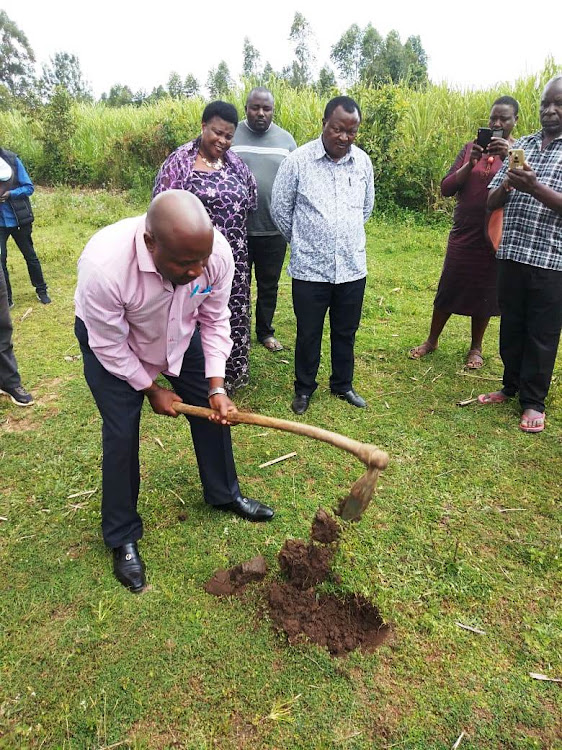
x=532, y=233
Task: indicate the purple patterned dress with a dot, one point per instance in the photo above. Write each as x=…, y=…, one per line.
x=228, y=195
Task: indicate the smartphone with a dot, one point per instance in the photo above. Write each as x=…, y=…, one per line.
x=516, y=158
x=484, y=137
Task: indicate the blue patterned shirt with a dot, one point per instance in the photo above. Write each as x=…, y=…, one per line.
x=532, y=232
x=320, y=207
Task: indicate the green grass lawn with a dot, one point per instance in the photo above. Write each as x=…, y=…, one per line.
x=465, y=527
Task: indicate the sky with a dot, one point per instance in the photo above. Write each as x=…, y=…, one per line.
x=469, y=45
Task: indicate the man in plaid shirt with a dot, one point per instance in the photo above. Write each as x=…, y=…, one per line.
x=530, y=264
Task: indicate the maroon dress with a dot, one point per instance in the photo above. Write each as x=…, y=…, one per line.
x=468, y=281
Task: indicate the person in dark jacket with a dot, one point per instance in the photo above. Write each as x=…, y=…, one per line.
x=16, y=220
x=10, y=381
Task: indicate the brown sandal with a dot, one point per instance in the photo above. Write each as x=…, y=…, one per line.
x=272, y=344
x=474, y=360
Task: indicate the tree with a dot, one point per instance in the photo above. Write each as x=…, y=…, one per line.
x=250, y=59
x=157, y=93
x=219, y=81
x=119, y=96
x=59, y=128
x=17, y=59
x=139, y=97
x=300, y=72
x=190, y=86
x=416, y=60
x=267, y=71
x=177, y=88
x=64, y=70
x=371, y=45
x=175, y=85
x=346, y=54
x=326, y=82
x=363, y=56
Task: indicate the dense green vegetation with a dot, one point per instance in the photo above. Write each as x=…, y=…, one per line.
x=411, y=135
x=465, y=528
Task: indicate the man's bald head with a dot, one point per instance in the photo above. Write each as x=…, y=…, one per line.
x=179, y=234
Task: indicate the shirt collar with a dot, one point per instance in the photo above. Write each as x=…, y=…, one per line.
x=320, y=152
x=540, y=135
x=144, y=257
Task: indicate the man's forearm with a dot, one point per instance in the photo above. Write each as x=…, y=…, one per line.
x=548, y=197
x=497, y=198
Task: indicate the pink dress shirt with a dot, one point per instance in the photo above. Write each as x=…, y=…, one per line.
x=138, y=324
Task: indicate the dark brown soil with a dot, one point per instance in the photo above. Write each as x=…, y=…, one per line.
x=234, y=580
x=340, y=625
x=325, y=529
x=303, y=564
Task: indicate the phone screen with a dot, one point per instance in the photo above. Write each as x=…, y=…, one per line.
x=484, y=137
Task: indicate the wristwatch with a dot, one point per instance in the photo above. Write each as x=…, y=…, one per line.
x=218, y=391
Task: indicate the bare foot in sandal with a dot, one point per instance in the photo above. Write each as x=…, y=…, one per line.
x=272, y=344
x=474, y=360
x=420, y=351
x=496, y=397
x=532, y=421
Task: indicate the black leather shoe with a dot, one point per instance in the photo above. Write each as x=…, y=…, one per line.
x=129, y=567
x=300, y=403
x=352, y=398
x=248, y=509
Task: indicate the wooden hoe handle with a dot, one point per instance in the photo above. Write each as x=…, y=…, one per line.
x=370, y=455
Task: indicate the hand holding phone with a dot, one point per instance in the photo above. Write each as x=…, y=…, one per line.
x=475, y=154
x=484, y=137
x=516, y=158
x=499, y=146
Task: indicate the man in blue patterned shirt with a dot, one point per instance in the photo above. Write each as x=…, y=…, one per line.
x=322, y=196
x=530, y=264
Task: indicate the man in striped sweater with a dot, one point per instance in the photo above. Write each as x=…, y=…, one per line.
x=263, y=145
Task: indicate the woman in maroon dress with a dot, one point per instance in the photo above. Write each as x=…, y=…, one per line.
x=468, y=280
x=227, y=189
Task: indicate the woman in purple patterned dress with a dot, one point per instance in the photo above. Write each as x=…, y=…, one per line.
x=227, y=189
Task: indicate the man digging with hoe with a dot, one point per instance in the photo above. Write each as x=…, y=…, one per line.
x=143, y=284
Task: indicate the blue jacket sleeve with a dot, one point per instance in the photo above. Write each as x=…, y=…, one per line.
x=25, y=185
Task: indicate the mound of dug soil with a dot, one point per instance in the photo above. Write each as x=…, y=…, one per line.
x=305, y=565
x=340, y=625
x=325, y=529
x=234, y=580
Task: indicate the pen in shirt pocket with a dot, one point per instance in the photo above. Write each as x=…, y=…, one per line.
x=195, y=290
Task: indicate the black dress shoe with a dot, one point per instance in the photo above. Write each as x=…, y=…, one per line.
x=129, y=567
x=352, y=398
x=248, y=509
x=300, y=403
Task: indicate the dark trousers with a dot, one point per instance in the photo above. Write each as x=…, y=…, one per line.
x=120, y=408
x=9, y=376
x=22, y=238
x=267, y=255
x=530, y=301
x=311, y=301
